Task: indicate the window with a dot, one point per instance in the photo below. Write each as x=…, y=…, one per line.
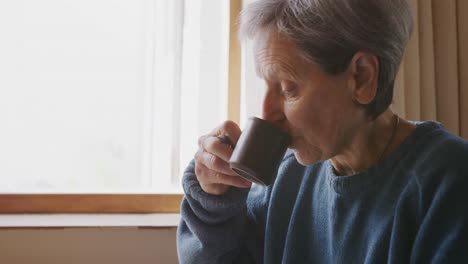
x=108, y=96
x=101, y=102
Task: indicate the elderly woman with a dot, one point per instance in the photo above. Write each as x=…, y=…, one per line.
x=361, y=185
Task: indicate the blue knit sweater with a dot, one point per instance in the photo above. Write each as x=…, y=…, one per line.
x=412, y=207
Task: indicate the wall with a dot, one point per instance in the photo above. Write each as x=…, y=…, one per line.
x=116, y=245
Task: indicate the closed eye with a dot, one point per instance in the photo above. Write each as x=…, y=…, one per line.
x=289, y=89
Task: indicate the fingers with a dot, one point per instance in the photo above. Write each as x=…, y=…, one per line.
x=230, y=129
x=212, y=160
x=216, y=147
x=220, y=141
x=226, y=141
x=208, y=177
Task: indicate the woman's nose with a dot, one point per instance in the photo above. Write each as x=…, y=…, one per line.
x=273, y=108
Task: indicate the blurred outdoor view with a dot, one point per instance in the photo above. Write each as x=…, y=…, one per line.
x=107, y=96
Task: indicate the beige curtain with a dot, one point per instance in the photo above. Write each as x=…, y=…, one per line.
x=432, y=83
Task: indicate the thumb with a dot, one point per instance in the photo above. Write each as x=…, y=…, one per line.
x=229, y=132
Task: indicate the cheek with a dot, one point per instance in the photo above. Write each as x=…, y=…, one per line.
x=299, y=116
x=306, y=114
x=317, y=118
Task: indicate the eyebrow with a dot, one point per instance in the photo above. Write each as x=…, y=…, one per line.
x=276, y=72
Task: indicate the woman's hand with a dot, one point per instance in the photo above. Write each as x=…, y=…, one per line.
x=211, y=160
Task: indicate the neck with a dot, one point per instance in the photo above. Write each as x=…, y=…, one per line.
x=369, y=143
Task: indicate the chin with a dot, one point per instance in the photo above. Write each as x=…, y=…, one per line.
x=305, y=159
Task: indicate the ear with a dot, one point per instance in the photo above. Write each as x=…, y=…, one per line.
x=364, y=72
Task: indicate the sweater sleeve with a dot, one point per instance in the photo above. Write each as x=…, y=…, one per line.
x=443, y=234
x=214, y=229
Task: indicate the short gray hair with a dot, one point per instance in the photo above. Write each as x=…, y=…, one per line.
x=330, y=32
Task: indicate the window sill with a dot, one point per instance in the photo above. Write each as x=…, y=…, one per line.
x=89, y=203
x=88, y=220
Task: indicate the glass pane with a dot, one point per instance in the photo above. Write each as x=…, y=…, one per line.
x=71, y=94
x=204, y=74
x=98, y=96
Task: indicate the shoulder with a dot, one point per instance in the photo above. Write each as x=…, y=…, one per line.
x=432, y=149
x=443, y=145
x=437, y=164
x=432, y=188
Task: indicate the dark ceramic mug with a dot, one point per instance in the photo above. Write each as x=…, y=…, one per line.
x=259, y=151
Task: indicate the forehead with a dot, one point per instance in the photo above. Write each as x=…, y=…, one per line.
x=277, y=58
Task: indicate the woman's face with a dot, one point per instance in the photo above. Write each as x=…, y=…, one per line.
x=314, y=107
